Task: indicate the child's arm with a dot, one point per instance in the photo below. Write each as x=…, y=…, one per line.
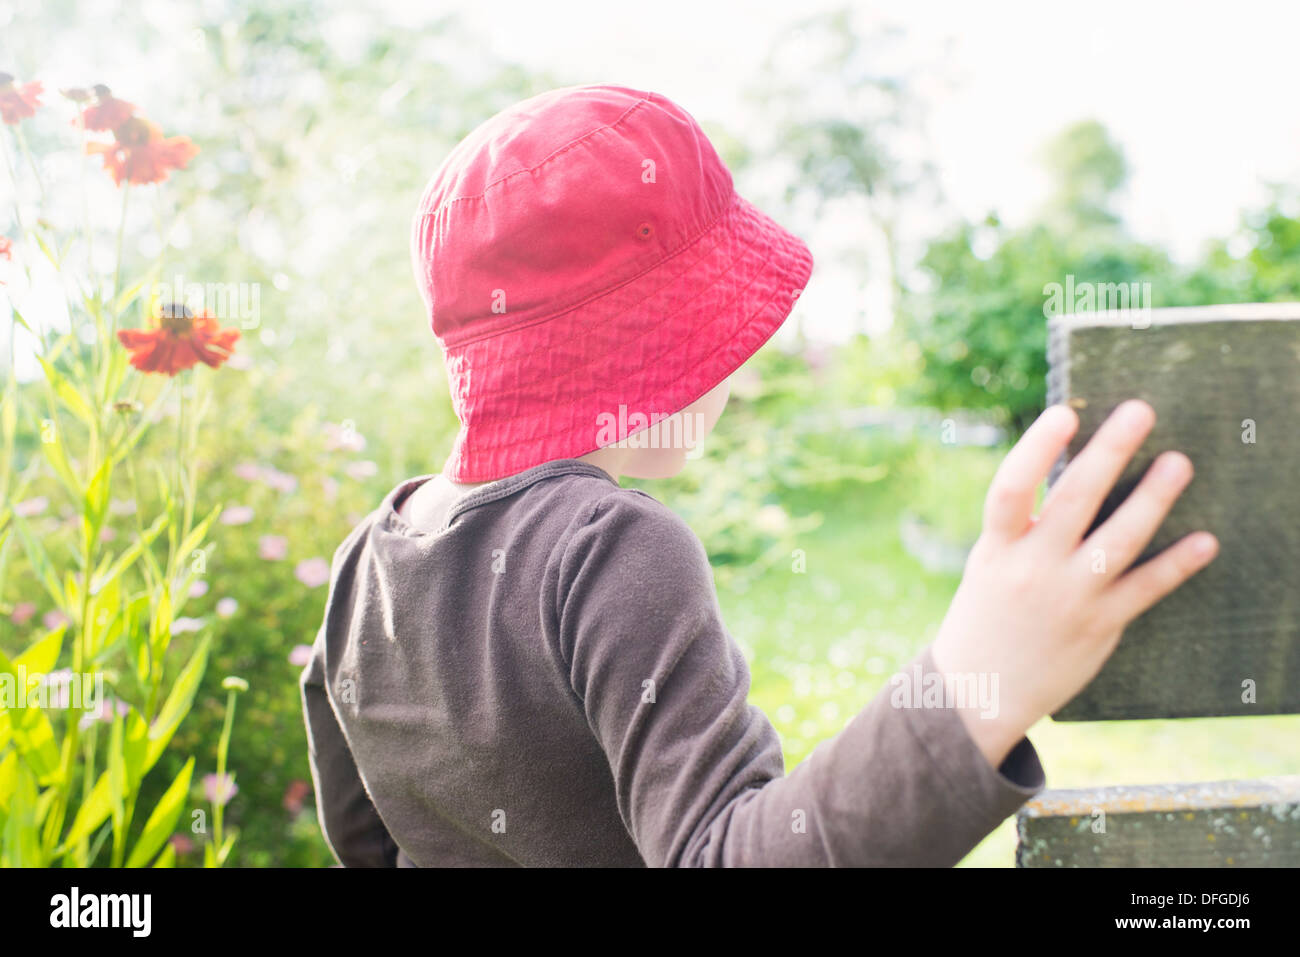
x=698, y=772
x=348, y=820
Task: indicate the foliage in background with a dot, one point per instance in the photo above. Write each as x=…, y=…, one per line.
x=78, y=743
x=980, y=321
x=317, y=134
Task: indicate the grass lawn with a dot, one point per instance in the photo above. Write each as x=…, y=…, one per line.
x=822, y=643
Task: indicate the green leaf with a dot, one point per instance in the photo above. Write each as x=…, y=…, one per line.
x=19, y=841
x=224, y=853
x=41, y=656
x=68, y=394
x=8, y=780
x=128, y=294
x=178, y=703
x=135, y=752
x=9, y=419
x=96, y=500
x=167, y=858
x=136, y=611
x=104, y=613
x=30, y=730
x=93, y=811
x=58, y=458
x=21, y=321
x=117, y=781
x=129, y=556
x=160, y=627
x=163, y=818
x=40, y=563
x=50, y=252
x=196, y=534
x=142, y=426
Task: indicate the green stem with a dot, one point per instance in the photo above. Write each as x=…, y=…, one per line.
x=117, y=268
x=13, y=179
x=31, y=160
x=82, y=850
x=80, y=645
x=223, y=750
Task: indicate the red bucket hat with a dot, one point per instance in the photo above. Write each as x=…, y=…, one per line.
x=582, y=251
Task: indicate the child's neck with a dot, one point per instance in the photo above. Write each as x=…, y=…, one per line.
x=608, y=460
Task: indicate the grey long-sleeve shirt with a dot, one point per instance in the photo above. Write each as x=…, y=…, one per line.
x=545, y=680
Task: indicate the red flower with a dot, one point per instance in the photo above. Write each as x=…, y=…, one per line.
x=6, y=248
x=18, y=102
x=107, y=112
x=180, y=340
x=140, y=153
x=295, y=794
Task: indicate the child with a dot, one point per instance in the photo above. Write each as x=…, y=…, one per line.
x=522, y=663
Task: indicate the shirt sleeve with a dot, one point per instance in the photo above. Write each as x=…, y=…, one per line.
x=699, y=772
x=352, y=827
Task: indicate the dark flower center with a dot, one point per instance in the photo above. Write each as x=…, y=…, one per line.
x=133, y=132
x=176, y=318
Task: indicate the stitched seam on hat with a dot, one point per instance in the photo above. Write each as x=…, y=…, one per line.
x=730, y=341
x=540, y=163
x=704, y=231
x=494, y=451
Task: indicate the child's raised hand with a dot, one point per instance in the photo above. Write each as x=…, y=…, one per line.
x=1039, y=606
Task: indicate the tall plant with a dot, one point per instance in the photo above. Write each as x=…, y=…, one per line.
x=77, y=742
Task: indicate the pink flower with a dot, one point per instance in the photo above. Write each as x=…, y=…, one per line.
x=299, y=655
x=280, y=481
x=53, y=619
x=330, y=486
x=295, y=794
x=361, y=470
x=237, y=515
x=219, y=789
x=32, y=506
x=22, y=612
x=248, y=471
x=106, y=534
x=182, y=626
x=227, y=607
x=343, y=436
x=313, y=572
x=57, y=685
x=272, y=547
x=182, y=843
x=104, y=712
x=199, y=589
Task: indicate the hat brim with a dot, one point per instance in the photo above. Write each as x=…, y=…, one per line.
x=653, y=346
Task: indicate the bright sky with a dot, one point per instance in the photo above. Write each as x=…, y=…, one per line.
x=1201, y=95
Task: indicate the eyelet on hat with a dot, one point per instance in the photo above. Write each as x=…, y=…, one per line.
x=645, y=231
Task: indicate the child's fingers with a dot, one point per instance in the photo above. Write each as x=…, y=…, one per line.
x=1121, y=538
x=1076, y=498
x=1151, y=581
x=1009, y=507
